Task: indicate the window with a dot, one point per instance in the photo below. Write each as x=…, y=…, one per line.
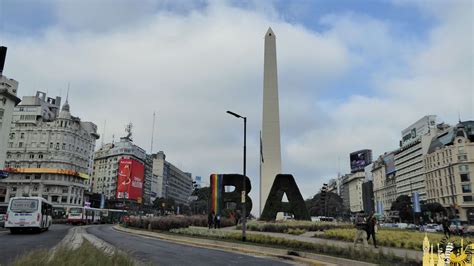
x=466, y=188
x=50, y=145
x=463, y=168
x=32, y=156
x=462, y=157
x=467, y=198
x=40, y=156
x=37, y=177
x=20, y=144
x=465, y=178
x=12, y=135
x=22, y=135
x=64, y=146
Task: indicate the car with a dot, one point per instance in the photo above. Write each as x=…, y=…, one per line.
x=402, y=225
x=413, y=227
x=431, y=228
x=456, y=227
x=469, y=230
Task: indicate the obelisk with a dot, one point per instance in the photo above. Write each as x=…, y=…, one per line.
x=270, y=163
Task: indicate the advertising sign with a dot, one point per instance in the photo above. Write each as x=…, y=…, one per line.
x=360, y=159
x=416, y=202
x=389, y=161
x=130, y=179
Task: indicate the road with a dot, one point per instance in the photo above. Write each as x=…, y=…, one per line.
x=12, y=246
x=155, y=251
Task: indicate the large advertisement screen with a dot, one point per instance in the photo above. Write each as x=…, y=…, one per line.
x=130, y=179
x=360, y=159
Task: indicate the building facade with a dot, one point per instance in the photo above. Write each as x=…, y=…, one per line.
x=106, y=165
x=384, y=183
x=449, y=167
x=175, y=184
x=49, y=152
x=354, y=183
x=414, y=146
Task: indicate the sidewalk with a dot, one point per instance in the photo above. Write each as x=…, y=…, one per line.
x=282, y=253
x=308, y=237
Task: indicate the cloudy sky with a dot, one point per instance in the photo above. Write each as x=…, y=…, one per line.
x=352, y=74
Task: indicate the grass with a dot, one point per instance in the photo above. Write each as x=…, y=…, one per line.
x=359, y=254
x=85, y=255
x=392, y=238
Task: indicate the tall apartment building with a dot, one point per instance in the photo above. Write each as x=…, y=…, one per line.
x=414, y=145
x=106, y=164
x=449, y=167
x=49, y=152
x=8, y=100
x=175, y=184
x=384, y=182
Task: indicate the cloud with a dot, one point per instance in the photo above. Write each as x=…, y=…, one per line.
x=192, y=63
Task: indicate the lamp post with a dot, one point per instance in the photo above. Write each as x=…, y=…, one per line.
x=244, y=217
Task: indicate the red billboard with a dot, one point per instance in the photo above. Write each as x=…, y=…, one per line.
x=130, y=179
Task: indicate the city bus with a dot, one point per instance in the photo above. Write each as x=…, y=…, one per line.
x=86, y=215
x=28, y=213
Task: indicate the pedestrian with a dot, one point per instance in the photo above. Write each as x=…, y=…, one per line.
x=210, y=219
x=372, y=228
x=361, y=227
x=217, y=221
x=446, y=227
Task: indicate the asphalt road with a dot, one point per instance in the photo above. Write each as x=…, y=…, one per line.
x=159, y=252
x=13, y=246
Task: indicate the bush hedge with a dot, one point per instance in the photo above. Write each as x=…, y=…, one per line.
x=165, y=223
x=286, y=226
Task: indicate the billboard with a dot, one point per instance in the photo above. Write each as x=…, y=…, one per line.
x=360, y=159
x=389, y=161
x=130, y=179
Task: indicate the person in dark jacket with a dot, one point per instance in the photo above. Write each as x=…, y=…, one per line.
x=210, y=219
x=371, y=228
x=361, y=229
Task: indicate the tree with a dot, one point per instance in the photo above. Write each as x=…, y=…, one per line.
x=164, y=204
x=431, y=210
x=201, y=205
x=332, y=203
x=404, y=207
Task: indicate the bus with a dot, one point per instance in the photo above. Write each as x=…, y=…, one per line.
x=28, y=213
x=86, y=215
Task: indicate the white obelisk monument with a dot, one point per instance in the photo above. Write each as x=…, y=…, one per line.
x=270, y=164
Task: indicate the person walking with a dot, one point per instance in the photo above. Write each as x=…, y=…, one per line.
x=372, y=228
x=361, y=227
x=446, y=227
x=210, y=219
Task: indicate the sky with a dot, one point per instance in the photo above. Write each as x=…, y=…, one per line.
x=352, y=74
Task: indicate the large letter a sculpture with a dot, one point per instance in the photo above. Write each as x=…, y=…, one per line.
x=295, y=205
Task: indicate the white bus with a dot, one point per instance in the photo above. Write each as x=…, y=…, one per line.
x=28, y=213
x=84, y=215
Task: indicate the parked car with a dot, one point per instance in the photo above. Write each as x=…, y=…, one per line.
x=431, y=228
x=469, y=230
x=456, y=227
x=413, y=227
x=402, y=225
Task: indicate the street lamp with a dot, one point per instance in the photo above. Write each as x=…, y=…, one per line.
x=244, y=238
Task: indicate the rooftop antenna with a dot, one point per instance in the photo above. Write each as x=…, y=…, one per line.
x=152, y=133
x=103, y=133
x=67, y=94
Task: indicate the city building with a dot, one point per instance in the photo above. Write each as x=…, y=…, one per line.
x=354, y=183
x=175, y=184
x=270, y=163
x=147, y=193
x=333, y=186
x=414, y=145
x=368, y=190
x=106, y=165
x=49, y=152
x=384, y=182
x=8, y=100
x=449, y=166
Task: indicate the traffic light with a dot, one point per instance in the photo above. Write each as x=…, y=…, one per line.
x=323, y=198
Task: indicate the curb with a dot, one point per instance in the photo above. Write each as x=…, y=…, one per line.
x=298, y=257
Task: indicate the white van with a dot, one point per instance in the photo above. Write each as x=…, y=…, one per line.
x=28, y=213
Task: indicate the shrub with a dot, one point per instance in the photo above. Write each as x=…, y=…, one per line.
x=284, y=226
x=163, y=223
